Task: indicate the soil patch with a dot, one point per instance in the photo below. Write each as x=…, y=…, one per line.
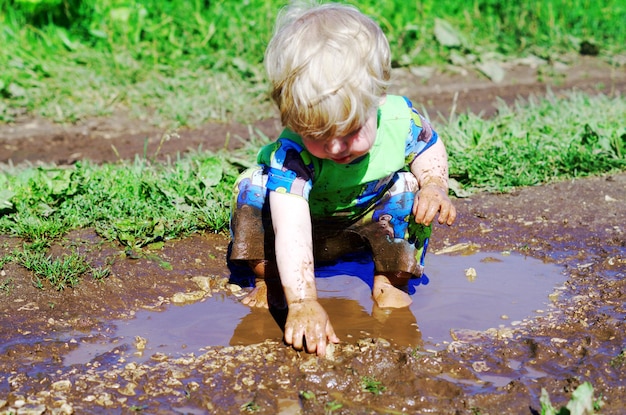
x=577, y=225
x=439, y=93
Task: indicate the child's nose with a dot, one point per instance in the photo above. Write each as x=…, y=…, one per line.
x=335, y=146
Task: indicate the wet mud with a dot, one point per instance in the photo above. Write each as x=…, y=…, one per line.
x=544, y=307
x=493, y=289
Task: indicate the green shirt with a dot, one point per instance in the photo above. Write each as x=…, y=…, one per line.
x=346, y=190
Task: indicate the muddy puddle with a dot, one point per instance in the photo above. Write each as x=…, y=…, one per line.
x=460, y=296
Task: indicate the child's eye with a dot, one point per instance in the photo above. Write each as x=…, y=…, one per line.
x=353, y=133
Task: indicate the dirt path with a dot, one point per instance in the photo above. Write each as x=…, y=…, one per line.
x=578, y=225
x=440, y=93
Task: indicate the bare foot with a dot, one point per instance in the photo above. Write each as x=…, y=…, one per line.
x=385, y=295
x=258, y=296
x=264, y=295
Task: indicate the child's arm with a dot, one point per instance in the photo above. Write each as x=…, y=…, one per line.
x=306, y=318
x=431, y=170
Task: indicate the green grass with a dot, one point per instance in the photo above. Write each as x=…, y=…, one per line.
x=538, y=141
x=372, y=385
x=6, y=285
x=137, y=204
x=250, y=407
x=186, y=63
x=182, y=62
x=59, y=272
x=134, y=202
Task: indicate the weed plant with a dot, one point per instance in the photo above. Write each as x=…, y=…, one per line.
x=372, y=385
x=6, y=285
x=186, y=63
x=136, y=204
x=59, y=272
x=537, y=141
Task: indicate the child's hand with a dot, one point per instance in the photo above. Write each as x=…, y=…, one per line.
x=431, y=199
x=307, y=321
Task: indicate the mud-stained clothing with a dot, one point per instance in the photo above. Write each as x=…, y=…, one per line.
x=364, y=205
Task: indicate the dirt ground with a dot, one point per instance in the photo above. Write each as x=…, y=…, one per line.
x=577, y=224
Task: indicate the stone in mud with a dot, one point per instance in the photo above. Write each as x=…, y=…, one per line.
x=204, y=283
x=190, y=297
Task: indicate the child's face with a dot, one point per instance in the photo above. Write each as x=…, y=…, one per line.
x=346, y=149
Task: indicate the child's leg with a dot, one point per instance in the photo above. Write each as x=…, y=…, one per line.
x=267, y=288
x=249, y=226
x=397, y=243
x=390, y=290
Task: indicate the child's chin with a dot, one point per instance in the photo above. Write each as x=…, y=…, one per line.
x=344, y=160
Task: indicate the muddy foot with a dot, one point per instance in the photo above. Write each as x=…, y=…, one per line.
x=262, y=296
x=258, y=296
x=386, y=295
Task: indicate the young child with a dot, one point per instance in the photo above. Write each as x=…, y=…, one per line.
x=354, y=169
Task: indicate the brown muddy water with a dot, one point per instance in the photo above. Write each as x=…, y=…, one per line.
x=461, y=295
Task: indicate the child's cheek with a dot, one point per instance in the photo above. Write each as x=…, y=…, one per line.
x=316, y=148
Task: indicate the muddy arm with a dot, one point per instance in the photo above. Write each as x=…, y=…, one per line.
x=431, y=170
x=307, y=322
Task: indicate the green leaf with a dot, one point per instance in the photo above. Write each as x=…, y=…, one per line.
x=135, y=233
x=100, y=34
x=447, y=35
x=32, y=6
x=58, y=181
x=458, y=189
x=372, y=385
x=210, y=172
x=120, y=14
x=581, y=403
x=492, y=70
x=582, y=400
x=15, y=91
x=546, y=404
x=62, y=34
x=307, y=395
x=5, y=199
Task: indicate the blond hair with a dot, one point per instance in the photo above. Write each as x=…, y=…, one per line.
x=329, y=66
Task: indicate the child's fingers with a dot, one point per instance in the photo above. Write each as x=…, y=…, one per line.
x=447, y=214
x=429, y=202
x=288, y=336
x=307, y=326
x=331, y=337
x=425, y=210
x=330, y=333
x=426, y=206
x=293, y=337
x=318, y=345
x=322, y=341
x=429, y=214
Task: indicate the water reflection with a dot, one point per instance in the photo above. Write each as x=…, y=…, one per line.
x=510, y=286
